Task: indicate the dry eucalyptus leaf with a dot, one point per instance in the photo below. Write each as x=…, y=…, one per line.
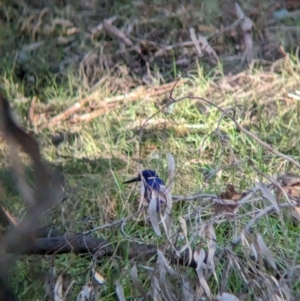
x=268, y=195
x=85, y=293
x=296, y=213
x=291, y=184
x=137, y=284
x=168, y=222
x=240, y=14
x=227, y=297
x=289, y=179
x=212, y=247
x=286, y=290
x=183, y=227
x=195, y=41
x=142, y=193
x=246, y=26
x=171, y=171
x=58, y=294
x=119, y=291
x=212, y=244
x=254, y=251
x=187, y=288
x=265, y=251
x=228, y=206
x=248, y=54
x=168, y=191
x=162, y=260
x=115, y=32
x=99, y=278
x=200, y=260
x=231, y=194
x=152, y=213
x=207, y=47
x=169, y=200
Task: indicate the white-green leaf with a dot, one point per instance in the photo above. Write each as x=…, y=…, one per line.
x=227, y=297
x=137, y=284
x=268, y=195
x=152, y=213
x=265, y=251
x=120, y=291
x=58, y=294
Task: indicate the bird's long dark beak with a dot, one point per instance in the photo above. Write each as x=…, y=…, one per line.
x=136, y=179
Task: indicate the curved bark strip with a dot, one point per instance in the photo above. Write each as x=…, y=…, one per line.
x=47, y=190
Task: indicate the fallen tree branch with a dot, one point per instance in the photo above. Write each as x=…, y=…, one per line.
x=100, y=247
x=107, y=104
x=82, y=244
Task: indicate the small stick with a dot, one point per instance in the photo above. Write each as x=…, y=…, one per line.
x=89, y=116
x=65, y=114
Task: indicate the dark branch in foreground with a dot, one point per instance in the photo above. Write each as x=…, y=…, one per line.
x=80, y=244
x=135, y=252
x=100, y=247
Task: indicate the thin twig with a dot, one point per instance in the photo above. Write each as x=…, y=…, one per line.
x=67, y=113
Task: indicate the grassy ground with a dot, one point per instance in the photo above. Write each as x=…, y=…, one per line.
x=97, y=156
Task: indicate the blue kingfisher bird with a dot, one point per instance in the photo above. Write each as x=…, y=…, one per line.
x=152, y=184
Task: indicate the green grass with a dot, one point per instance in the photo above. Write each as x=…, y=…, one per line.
x=95, y=187
x=98, y=156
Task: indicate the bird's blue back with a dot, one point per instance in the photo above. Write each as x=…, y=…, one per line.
x=154, y=184
x=154, y=187
x=151, y=184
